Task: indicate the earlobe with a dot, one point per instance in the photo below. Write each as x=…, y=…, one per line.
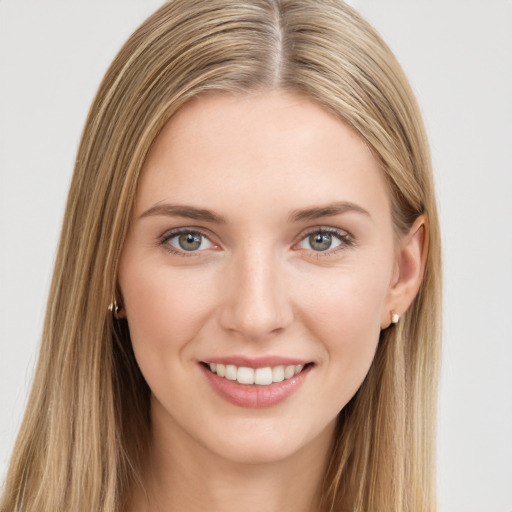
x=411, y=256
x=117, y=311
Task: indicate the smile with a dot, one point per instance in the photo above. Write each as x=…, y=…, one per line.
x=266, y=384
x=259, y=376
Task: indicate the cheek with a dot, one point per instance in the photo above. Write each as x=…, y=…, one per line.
x=164, y=310
x=344, y=316
x=350, y=300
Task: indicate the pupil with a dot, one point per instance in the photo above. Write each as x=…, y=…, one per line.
x=190, y=241
x=320, y=241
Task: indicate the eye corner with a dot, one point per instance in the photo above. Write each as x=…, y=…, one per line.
x=326, y=237
x=187, y=242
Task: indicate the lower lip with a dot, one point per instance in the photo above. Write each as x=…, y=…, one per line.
x=252, y=395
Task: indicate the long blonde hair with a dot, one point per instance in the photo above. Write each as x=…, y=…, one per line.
x=86, y=425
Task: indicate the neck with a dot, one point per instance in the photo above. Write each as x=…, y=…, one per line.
x=183, y=476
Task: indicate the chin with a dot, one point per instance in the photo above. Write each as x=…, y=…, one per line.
x=255, y=453
x=267, y=443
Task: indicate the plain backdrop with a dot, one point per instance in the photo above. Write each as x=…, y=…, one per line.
x=458, y=56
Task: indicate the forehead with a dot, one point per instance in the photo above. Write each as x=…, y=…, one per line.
x=274, y=147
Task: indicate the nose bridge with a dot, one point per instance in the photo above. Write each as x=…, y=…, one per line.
x=257, y=303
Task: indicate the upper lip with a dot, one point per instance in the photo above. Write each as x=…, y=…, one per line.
x=257, y=362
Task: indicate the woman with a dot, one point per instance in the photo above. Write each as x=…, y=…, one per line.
x=245, y=306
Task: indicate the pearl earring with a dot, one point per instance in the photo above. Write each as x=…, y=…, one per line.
x=395, y=317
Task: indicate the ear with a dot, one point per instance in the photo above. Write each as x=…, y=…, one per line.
x=120, y=314
x=411, y=258
x=117, y=310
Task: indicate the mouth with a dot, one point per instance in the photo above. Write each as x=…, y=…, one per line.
x=264, y=376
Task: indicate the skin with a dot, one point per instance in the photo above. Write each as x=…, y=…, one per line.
x=255, y=287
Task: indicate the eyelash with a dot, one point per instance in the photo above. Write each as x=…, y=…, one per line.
x=164, y=241
x=345, y=238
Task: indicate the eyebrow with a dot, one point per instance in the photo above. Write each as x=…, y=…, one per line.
x=329, y=210
x=315, y=212
x=189, y=212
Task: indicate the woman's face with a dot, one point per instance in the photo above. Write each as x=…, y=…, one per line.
x=261, y=243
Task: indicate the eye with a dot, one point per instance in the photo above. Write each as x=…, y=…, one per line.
x=323, y=240
x=187, y=241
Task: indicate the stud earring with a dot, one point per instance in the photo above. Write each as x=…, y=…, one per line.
x=395, y=317
x=114, y=308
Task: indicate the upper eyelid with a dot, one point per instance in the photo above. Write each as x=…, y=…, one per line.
x=170, y=233
x=346, y=238
x=342, y=233
x=206, y=232
x=164, y=239
x=325, y=229
x=164, y=242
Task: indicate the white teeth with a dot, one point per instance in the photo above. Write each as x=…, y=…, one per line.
x=278, y=374
x=289, y=372
x=259, y=376
x=263, y=376
x=245, y=375
x=231, y=372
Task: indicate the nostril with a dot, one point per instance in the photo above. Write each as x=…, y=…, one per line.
x=255, y=303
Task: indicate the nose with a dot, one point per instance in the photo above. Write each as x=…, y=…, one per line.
x=256, y=302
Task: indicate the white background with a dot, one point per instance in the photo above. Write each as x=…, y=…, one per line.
x=458, y=56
